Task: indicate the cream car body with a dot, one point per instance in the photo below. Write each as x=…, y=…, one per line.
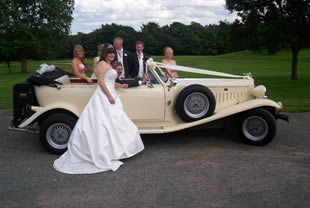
x=152, y=106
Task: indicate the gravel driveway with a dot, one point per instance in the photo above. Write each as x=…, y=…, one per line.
x=206, y=168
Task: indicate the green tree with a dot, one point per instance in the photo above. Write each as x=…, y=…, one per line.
x=6, y=50
x=33, y=27
x=153, y=37
x=289, y=20
x=199, y=32
x=217, y=38
x=177, y=30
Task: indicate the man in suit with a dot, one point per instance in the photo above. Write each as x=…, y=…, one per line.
x=122, y=55
x=129, y=82
x=137, y=66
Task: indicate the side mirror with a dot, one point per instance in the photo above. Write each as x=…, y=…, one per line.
x=173, y=82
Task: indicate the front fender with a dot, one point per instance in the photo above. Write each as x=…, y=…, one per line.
x=41, y=110
x=235, y=109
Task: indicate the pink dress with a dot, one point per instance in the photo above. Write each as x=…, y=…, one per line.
x=173, y=72
x=82, y=68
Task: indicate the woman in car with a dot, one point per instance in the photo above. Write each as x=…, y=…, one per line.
x=168, y=53
x=79, y=66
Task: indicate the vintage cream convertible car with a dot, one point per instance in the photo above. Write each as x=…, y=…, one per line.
x=162, y=105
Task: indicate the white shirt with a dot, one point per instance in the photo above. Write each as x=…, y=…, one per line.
x=141, y=69
x=120, y=59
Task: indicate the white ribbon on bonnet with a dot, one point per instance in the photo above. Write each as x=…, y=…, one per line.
x=152, y=64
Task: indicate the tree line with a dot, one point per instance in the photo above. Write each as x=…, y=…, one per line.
x=192, y=39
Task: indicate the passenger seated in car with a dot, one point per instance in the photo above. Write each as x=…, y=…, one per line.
x=130, y=82
x=79, y=66
x=168, y=53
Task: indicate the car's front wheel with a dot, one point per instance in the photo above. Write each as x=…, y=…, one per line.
x=258, y=127
x=55, y=132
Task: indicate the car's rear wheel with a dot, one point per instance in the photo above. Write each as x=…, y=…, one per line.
x=258, y=127
x=195, y=102
x=55, y=132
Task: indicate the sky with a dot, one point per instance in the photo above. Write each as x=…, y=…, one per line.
x=91, y=14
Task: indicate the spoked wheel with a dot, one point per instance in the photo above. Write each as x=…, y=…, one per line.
x=195, y=102
x=196, y=105
x=55, y=132
x=258, y=127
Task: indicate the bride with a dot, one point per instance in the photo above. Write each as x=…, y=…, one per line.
x=103, y=134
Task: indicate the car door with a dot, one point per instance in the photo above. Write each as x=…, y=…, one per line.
x=143, y=102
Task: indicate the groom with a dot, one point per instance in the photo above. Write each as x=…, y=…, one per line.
x=138, y=66
x=122, y=55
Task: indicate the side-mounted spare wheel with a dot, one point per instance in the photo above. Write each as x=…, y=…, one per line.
x=55, y=132
x=257, y=127
x=195, y=102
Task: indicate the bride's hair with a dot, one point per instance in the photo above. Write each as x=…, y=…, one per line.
x=107, y=49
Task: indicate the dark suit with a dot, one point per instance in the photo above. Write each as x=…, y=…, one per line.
x=126, y=54
x=130, y=82
x=134, y=64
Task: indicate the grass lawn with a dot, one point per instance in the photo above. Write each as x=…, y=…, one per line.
x=271, y=71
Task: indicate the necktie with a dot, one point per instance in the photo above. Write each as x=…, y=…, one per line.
x=120, y=54
x=139, y=56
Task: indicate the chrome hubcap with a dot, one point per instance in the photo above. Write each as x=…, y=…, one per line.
x=196, y=105
x=58, y=135
x=255, y=128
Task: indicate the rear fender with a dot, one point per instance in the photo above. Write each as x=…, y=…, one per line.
x=42, y=111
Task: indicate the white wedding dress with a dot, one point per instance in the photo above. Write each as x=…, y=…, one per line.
x=102, y=135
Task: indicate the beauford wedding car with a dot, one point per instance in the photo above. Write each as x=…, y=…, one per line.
x=162, y=105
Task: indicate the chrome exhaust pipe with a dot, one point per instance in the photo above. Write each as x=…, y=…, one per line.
x=283, y=117
x=28, y=130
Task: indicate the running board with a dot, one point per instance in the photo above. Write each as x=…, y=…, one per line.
x=151, y=130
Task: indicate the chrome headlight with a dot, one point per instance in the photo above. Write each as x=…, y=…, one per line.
x=259, y=92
